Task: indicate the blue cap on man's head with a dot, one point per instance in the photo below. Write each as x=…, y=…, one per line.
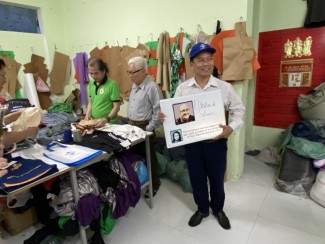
x=199, y=48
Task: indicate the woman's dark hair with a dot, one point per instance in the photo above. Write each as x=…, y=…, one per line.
x=99, y=63
x=2, y=63
x=179, y=134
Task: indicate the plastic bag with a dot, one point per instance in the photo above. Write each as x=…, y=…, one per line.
x=184, y=181
x=162, y=163
x=41, y=85
x=142, y=171
x=312, y=106
x=296, y=174
x=317, y=192
x=175, y=168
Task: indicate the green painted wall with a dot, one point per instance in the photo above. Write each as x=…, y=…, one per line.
x=80, y=25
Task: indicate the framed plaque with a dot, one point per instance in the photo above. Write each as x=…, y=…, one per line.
x=192, y=118
x=296, y=73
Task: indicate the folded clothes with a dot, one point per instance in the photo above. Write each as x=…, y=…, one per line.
x=25, y=171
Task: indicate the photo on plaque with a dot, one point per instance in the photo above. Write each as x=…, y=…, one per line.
x=192, y=118
x=183, y=112
x=176, y=136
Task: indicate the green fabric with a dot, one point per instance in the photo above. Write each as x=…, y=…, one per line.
x=152, y=45
x=177, y=171
x=10, y=54
x=152, y=62
x=108, y=224
x=61, y=107
x=18, y=94
x=184, y=181
x=301, y=146
x=306, y=148
x=62, y=221
x=285, y=138
x=162, y=163
x=176, y=61
x=175, y=168
x=102, y=102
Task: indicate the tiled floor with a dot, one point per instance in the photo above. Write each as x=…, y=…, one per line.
x=257, y=211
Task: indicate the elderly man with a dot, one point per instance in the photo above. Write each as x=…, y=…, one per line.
x=185, y=115
x=143, y=109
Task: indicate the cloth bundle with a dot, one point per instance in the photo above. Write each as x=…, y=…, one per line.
x=30, y=117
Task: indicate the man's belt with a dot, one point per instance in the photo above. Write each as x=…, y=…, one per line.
x=213, y=141
x=138, y=123
x=209, y=141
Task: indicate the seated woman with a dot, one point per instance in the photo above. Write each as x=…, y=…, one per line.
x=12, y=137
x=15, y=136
x=3, y=163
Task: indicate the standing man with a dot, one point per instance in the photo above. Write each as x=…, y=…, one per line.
x=104, y=94
x=207, y=160
x=143, y=110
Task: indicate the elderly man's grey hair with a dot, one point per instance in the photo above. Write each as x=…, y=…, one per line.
x=183, y=107
x=139, y=63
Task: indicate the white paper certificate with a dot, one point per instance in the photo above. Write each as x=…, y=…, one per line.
x=192, y=118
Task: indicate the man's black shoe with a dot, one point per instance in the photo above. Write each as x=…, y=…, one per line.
x=197, y=218
x=223, y=220
x=154, y=192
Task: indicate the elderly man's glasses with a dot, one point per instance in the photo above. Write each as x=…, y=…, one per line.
x=184, y=110
x=133, y=72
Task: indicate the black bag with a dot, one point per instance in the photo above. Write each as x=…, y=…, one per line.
x=296, y=174
x=16, y=104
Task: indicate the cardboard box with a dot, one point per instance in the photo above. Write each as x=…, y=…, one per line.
x=15, y=223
